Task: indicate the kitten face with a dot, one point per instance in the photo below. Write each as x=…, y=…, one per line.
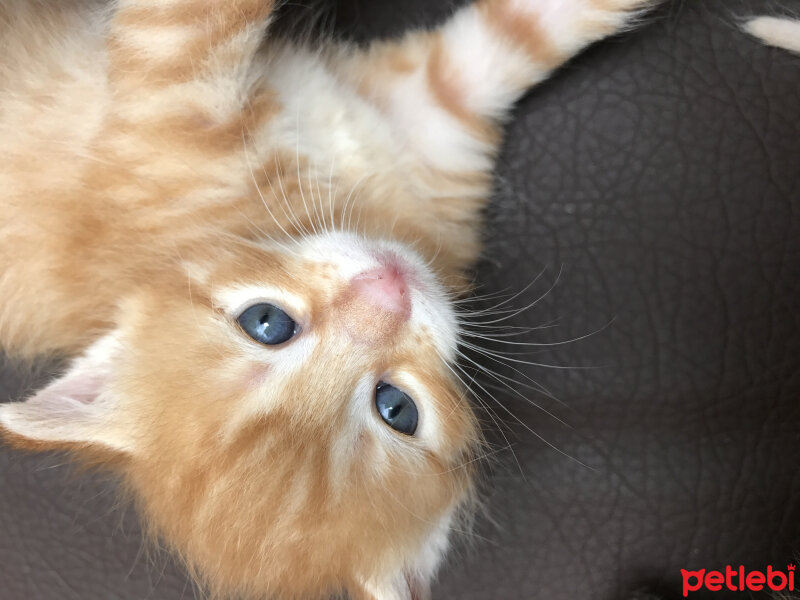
x=257, y=460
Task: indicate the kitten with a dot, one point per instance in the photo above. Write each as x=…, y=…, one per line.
x=251, y=248
x=774, y=31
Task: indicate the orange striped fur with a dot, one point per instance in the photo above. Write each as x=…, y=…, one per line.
x=166, y=165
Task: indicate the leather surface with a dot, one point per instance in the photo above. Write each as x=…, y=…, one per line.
x=660, y=174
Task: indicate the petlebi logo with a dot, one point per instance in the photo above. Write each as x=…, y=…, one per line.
x=738, y=580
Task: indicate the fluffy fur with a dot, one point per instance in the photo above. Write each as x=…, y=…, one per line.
x=774, y=31
x=166, y=164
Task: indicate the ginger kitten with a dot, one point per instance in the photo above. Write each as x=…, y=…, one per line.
x=251, y=249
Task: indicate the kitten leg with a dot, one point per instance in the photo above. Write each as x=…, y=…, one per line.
x=781, y=33
x=445, y=91
x=169, y=57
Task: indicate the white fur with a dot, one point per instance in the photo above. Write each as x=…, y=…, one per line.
x=487, y=66
x=395, y=588
x=433, y=133
x=323, y=119
x=563, y=22
x=157, y=42
x=782, y=33
x=429, y=559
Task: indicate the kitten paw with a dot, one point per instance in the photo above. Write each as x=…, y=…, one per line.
x=774, y=31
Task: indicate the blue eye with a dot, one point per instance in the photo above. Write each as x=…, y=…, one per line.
x=396, y=408
x=267, y=324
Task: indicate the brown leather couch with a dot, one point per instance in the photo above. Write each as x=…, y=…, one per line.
x=660, y=174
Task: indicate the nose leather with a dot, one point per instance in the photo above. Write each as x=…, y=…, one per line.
x=385, y=288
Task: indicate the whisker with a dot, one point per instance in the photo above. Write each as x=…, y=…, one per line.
x=299, y=180
x=525, y=289
x=261, y=196
x=466, y=332
x=535, y=387
x=532, y=383
x=501, y=358
x=293, y=219
x=330, y=188
x=518, y=420
x=319, y=214
x=503, y=331
x=348, y=205
x=489, y=411
x=514, y=313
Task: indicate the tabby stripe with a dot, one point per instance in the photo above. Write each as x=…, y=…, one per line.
x=230, y=15
x=523, y=29
x=447, y=91
x=172, y=56
x=161, y=44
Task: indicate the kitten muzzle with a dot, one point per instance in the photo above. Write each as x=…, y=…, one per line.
x=385, y=288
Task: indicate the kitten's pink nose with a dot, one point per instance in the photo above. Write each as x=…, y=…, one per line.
x=385, y=287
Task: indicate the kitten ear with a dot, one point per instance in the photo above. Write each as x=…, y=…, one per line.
x=77, y=408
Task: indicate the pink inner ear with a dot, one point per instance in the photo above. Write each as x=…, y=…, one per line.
x=86, y=387
x=77, y=407
x=78, y=386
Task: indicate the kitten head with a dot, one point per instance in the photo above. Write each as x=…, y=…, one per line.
x=286, y=415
